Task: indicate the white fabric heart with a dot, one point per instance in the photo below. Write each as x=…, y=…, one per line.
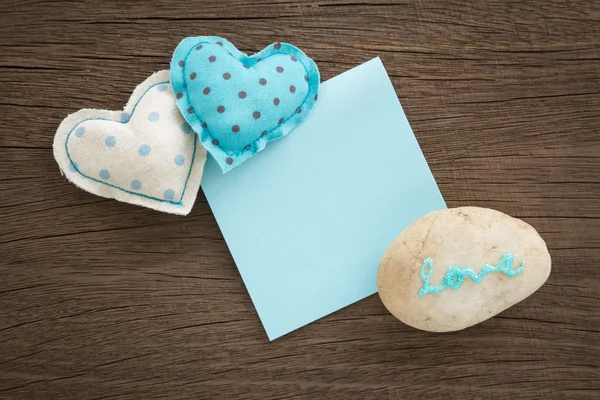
x=145, y=155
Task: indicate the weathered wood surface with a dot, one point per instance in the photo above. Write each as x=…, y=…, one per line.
x=100, y=299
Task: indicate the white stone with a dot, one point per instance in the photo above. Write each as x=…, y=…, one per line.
x=465, y=237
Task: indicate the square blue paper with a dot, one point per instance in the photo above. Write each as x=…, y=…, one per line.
x=308, y=219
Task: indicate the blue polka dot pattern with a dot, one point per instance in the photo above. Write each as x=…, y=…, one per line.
x=169, y=194
x=120, y=172
x=241, y=102
x=179, y=160
x=144, y=150
x=79, y=132
x=153, y=116
x=136, y=184
x=111, y=141
x=186, y=128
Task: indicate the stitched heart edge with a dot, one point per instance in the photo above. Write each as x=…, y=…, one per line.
x=187, y=45
x=104, y=189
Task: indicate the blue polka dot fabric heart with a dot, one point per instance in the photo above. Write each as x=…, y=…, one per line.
x=238, y=103
x=145, y=155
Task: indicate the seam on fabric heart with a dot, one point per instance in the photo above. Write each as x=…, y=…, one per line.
x=75, y=166
x=185, y=86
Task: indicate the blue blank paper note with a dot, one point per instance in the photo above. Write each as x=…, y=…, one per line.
x=308, y=219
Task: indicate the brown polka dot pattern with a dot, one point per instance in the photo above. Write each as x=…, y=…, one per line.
x=265, y=114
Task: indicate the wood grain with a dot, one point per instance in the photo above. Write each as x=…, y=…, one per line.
x=100, y=299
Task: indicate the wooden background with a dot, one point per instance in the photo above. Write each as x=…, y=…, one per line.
x=100, y=299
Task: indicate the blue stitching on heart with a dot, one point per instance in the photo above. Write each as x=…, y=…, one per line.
x=76, y=167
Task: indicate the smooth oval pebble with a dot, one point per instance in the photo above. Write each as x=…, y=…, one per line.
x=464, y=237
